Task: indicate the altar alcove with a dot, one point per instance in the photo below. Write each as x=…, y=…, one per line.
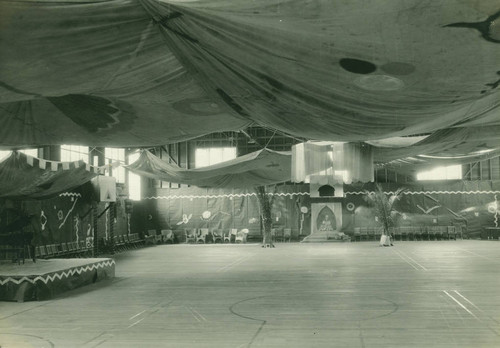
x=326, y=166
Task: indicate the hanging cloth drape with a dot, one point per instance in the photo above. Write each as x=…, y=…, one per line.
x=352, y=161
x=258, y=168
x=26, y=177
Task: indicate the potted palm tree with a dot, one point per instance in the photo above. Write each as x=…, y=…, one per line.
x=265, y=204
x=383, y=205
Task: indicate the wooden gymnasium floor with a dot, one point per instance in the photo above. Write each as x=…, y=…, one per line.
x=415, y=294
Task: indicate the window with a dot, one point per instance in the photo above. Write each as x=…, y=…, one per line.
x=213, y=155
x=70, y=153
x=113, y=155
x=4, y=154
x=30, y=152
x=134, y=180
x=442, y=173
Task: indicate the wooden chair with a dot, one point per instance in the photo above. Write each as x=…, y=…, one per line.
x=201, y=236
x=217, y=235
x=356, y=234
x=150, y=237
x=279, y=236
x=241, y=236
x=42, y=251
x=287, y=234
x=168, y=236
x=370, y=231
x=226, y=237
x=363, y=233
x=403, y=233
x=430, y=232
x=190, y=234
x=417, y=232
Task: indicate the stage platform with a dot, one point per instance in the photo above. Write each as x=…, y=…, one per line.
x=47, y=278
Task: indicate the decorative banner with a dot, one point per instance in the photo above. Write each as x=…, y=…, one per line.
x=54, y=165
x=42, y=164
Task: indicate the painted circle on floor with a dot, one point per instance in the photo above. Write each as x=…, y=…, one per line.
x=315, y=307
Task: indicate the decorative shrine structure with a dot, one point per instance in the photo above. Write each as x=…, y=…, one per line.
x=326, y=166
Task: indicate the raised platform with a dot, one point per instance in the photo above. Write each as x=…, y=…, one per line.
x=46, y=278
x=326, y=237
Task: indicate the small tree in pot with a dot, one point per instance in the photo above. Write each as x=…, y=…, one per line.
x=383, y=206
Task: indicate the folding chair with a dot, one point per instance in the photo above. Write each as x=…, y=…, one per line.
x=241, y=236
x=168, y=236
x=279, y=236
x=190, y=234
x=227, y=236
x=287, y=234
x=201, y=236
x=357, y=234
x=217, y=235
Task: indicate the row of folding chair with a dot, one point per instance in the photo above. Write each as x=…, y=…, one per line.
x=165, y=237
x=69, y=249
x=410, y=233
x=427, y=232
x=205, y=235
x=8, y=252
x=122, y=242
x=366, y=233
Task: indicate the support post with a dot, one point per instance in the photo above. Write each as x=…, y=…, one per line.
x=111, y=227
x=95, y=249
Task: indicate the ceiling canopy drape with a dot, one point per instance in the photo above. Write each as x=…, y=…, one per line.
x=151, y=72
x=264, y=167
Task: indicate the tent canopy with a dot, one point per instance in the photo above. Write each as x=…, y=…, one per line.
x=151, y=72
x=26, y=177
x=262, y=167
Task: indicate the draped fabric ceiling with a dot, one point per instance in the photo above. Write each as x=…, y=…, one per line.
x=23, y=177
x=151, y=72
x=263, y=167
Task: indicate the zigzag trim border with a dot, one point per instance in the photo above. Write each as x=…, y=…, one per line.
x=231, y=195
x=429, y=192
x=70, y=194
x=60, y=276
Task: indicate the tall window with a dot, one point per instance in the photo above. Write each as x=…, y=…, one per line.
x=134, y=180
x=213, y=155
x=4, y=154
x=114, y=155
x=442, y=173
x=70, y=153
x=30, y=152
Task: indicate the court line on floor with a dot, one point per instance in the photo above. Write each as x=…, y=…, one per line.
x=137, y=322
x=404, y=257
x=263, y=322
x=136, y=315
x=476, y=307
x=461, y=305
x=234, y=263
x=466, y=299
x=196, y=314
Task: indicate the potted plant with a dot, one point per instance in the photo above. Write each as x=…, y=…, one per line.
x=265, y=204
x=383, y=205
